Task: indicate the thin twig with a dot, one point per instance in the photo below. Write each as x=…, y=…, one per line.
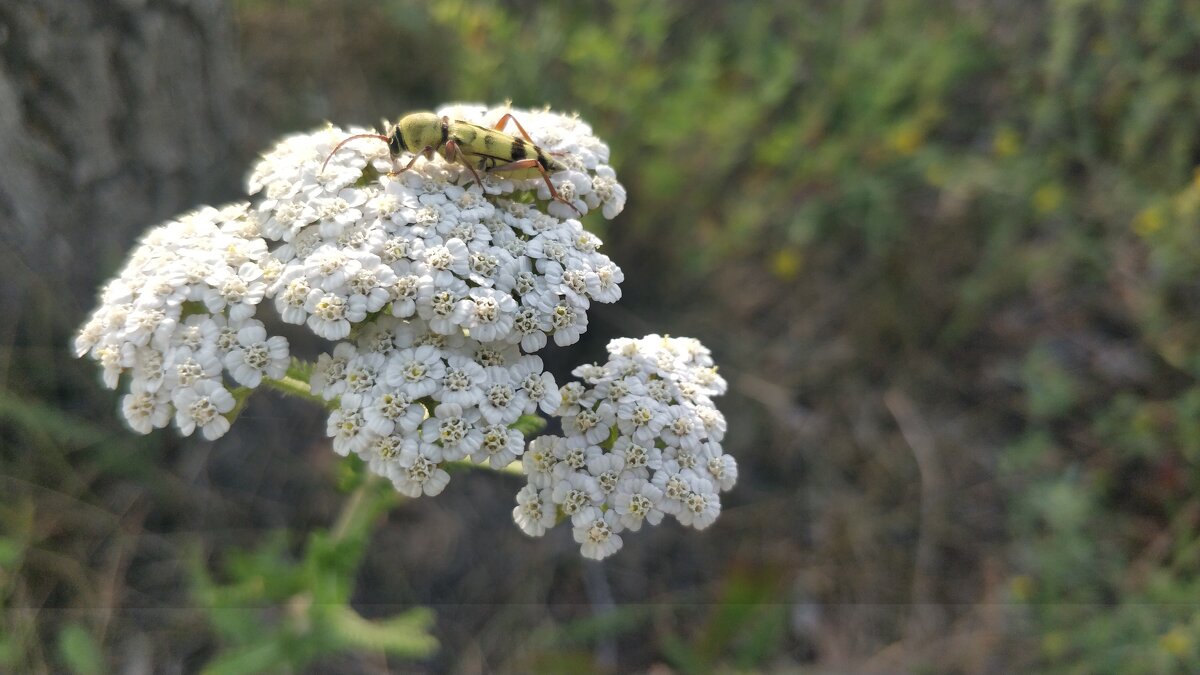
x=920, y=439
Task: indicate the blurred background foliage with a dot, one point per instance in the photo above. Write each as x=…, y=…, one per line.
x=947, y=252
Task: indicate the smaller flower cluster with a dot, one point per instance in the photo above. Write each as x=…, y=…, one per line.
x=642, y=438
x=179, y=317
x=409, y=399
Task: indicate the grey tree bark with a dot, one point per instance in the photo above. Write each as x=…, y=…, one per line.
x=113, y=116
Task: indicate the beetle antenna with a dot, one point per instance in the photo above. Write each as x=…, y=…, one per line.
x=347, y=140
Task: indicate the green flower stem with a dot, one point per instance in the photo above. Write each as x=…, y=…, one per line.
x=361, y=507
x=529, y=425
x=294, y=387
x=240, y=396
x=513, y=468
x=300, y=370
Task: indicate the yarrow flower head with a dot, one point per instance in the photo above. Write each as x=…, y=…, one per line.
x=642, y=440
x=434, y=291
x=178, y=320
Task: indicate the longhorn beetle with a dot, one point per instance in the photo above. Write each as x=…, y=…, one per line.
x=476, y=147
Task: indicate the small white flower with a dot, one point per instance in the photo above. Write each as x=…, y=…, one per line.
x=392, y=411
x=568, y=323
x=637, y=457
x=606, y=190
x=421, y=477
x=378, y=336
x=540, y=458
x=530, y=327
x=292, y=296
x=411, y=288
x=575, y=492
x=203, y=405
x=486, y=314
x=535, y=511
x=608, y=470
x=572, y=456
x=197, y=333
x=682, y=428
x=239, y=291
x=608, y=279
x=642, y=419
x=328, y=378
x=348, y=429
x=463, y=381
x=593, y=425
x=537, y=387
x=373, y=284
x=257, y=356
x=146, y=410
x=386, y=451
x=329, y=267
x=332, y=313
x=500, y=446
x=452, y=428
x=596, y=531
x=673, y=485
x=471, y=202
x=144, y=323
x=500, y=403
x=185, y=368
x=637, y=501
x=700, y=504
x=362, y=372
x=569, y=395
x=494, y=354
x=723, y=470
x=440, y=312
x=447, y=261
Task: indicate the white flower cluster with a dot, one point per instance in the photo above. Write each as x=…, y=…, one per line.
x=436, y=293
x=642, y=439
x=179, y=316
x=441, y=283
x=408, y=399
x=357, y=240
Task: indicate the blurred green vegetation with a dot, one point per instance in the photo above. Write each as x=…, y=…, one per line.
x=993, y=204
x=1012, y=185
x=314, y=593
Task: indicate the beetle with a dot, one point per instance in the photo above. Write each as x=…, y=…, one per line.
x=476, y=147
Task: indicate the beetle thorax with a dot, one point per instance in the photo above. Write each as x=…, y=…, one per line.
x=419, y=131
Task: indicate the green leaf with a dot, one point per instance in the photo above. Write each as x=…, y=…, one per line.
x=11, y=551
x=265, y=657
x=23, y=412
x=404, y=635
x=79, y=650
x=8, y=651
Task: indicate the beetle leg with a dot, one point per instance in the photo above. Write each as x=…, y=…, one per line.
x=428, y=152
x=533, y=163
x=505, y=120
x=454, y=152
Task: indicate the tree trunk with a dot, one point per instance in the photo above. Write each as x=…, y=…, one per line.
x=113, y=116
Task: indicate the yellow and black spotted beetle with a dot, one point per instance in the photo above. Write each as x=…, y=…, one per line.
x=476, y=147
